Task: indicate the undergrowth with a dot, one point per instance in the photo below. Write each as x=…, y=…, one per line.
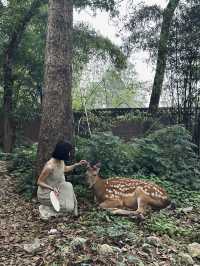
x=23, y=163
x=165, y=157
x=167, y=153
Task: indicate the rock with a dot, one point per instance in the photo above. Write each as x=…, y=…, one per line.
x=32, y=247
x=104, y=249
x=186, y=210
x=52, y=231
x=154, y=240
x=78, y=242
x=194, y=250
x=186, y=258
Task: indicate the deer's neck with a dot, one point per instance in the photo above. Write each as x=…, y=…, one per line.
x=99, y=189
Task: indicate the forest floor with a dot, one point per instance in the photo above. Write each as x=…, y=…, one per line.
x=93, y=238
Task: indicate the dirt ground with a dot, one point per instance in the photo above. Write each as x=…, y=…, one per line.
x=78, y=241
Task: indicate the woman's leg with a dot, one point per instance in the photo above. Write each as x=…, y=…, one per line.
x=67, y=198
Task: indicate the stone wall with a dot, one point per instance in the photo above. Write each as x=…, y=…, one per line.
x=29, y=131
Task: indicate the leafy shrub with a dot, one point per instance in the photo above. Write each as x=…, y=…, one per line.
x=116, y=157
x=5, y=156
x=23, y=166
x=163, y=224
x=166, y=157
x=167, y=153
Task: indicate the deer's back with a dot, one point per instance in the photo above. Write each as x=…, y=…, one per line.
x=127, y=186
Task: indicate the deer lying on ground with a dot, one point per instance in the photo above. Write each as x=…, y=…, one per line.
x=125, y=196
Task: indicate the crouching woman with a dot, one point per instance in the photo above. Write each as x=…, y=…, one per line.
x=52, y=178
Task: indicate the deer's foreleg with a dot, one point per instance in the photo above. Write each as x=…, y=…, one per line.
x=142, y=201
x=111, y=204
x=122, y=212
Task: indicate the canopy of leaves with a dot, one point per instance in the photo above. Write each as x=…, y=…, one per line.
x=108, y=5
x=183, y=55
x=29, y=59
x=143, y=26
x=88, y=43
x=114, y=89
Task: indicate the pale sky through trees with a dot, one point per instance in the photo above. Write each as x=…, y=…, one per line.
x=102, y=24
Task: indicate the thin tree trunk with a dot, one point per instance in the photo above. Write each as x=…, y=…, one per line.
x=8, y=58
x=162, y=55
x=56, y=122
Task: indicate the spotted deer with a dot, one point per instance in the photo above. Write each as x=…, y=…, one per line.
x=125, y=196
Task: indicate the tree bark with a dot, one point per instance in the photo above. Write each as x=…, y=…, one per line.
x=57, y=122
x=8, y=62
x=162, y=55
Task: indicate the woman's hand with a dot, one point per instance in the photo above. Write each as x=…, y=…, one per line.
x=69, y=168
x=56, y=191
x=82, y=162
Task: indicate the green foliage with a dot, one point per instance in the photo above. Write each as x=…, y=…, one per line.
x=108, y=5
x=23, y=167
x=111, y=88
x=167, y=153
x=28, y=63
x=165, y=157
x=110, y=151
x=163, y=224
x=88, y=42
x=4, y=156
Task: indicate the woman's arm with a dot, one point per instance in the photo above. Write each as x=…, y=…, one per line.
x=69, y=168
x=41, y=179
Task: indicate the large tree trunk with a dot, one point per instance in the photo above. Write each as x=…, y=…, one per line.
x=56, y=122
x=9, y=57
x=162, y=55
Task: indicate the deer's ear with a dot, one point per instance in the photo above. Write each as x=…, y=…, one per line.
x=98, y=165
x=88, y=166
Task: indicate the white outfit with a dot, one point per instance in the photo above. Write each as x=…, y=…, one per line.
x=67, y=197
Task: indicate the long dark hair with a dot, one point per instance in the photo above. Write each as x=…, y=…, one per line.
x=62, y=150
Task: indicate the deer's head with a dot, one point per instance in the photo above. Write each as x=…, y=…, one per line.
x=92, y=174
